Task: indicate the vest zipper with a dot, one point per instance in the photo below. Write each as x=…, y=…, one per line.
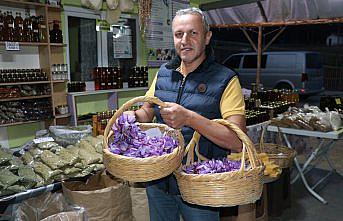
x=180, y=90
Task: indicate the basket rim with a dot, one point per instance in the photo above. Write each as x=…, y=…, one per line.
x=211, y=175
x=107, y=151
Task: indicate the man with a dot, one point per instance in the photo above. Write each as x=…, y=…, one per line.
x=196, y=89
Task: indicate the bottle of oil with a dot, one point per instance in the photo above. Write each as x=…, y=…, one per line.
x=18, y=27
x=27, y=28
x=35, y=29
x=8, y=26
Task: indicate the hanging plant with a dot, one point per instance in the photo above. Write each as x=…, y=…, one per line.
x=144, y=15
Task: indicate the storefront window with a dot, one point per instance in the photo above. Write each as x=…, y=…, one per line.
x=83, y=55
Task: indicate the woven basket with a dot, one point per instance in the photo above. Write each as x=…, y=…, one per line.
x=280, y=155
x=142, y=169
x=222, y=189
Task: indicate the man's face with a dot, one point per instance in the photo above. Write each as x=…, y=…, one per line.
x=190, y=39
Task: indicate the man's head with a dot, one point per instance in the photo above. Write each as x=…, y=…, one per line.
x=191, y=35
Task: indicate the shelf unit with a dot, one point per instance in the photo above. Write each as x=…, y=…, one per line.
x=48, y=54
x=112, y=99
x=25, y=98
x=28, y=82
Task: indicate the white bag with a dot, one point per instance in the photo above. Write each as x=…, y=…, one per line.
x=112, y=16
x=112, y=4
x=92, y=4
x=126, y=5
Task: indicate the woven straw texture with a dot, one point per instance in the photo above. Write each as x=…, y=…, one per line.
x=280, y=155
x=222, y=189
x=142, y=169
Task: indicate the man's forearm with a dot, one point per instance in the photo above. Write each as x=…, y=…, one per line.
x=145, y=114
x=217, y=133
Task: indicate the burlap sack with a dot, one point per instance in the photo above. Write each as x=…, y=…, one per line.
x=140, y=206
x=65, y=216
x=102, y=198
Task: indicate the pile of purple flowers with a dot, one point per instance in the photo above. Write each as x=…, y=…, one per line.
x=129, y=140
x=212, y=166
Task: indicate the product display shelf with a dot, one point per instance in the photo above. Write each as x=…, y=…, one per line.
x=62, y=115
x=56, y=56
x=48, y=53
x=21, y=122
x=21, y=4
x=24, y=83
x=58, y=45
x=25, y=98
x=59, y=81
x=112, y=99
x=33, y=44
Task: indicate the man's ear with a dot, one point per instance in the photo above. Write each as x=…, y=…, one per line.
x=208, y=37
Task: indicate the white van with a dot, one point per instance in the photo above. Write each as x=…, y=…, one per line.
x=298, y=70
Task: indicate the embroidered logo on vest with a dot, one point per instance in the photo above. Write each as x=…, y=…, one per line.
x=202, y=87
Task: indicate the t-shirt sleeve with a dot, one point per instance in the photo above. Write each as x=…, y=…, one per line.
x=151, y=91
x=232, y=101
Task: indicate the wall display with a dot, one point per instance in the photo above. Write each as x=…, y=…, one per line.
x=159, y=36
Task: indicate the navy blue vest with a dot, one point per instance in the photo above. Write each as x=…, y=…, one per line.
x=201, y=93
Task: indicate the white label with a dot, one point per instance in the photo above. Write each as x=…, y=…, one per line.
x=12, y=46
x=10, y=25
x=1, y=23
x=42, y=140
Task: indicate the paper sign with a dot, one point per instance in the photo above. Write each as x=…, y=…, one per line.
x=43, y=140
x=12, y=46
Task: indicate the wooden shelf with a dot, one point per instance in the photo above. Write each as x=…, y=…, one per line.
x=62, y=115
x=20, y=4
x=58, y=45
x=22, y=122
x=82, y=93
x=21, y=83
x=25, y=98
x=55, y=8
x=33, y=44
x=59, y=81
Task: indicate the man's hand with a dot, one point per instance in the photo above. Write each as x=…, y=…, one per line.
x=175, y=115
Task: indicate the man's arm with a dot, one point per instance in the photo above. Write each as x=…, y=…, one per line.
x=177, y=116
x=145, y=114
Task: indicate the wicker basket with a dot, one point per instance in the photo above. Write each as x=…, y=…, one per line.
x=142, y=169
x=280, y=155
x=222, y=189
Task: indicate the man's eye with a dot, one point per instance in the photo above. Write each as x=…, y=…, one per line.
x=194, y=33
x=178, y=35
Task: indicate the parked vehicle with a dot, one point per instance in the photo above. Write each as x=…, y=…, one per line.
x=298, y=70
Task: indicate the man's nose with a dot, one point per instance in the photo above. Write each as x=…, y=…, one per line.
x=185, y=38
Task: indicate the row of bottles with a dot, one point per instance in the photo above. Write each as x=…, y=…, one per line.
x=107, y=78
x=30, y=29
x=22, y=75
x=100, y=119
x=138, y=77
x=59, y=72
x=76, y=86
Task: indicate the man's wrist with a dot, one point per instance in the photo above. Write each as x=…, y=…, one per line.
x=190, y=118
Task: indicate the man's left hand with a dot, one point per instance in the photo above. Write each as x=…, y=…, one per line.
x=176, y=116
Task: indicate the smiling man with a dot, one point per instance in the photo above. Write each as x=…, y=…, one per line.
x=196, y=90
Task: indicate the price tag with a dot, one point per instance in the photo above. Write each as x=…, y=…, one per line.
x=12, y=46
x=338, y=100
x=42, y=140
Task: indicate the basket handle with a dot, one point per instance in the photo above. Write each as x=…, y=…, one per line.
x=248, y=146
x=108, y=132
x=261, y=143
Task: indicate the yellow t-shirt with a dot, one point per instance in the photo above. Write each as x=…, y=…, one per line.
x=231, y=102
